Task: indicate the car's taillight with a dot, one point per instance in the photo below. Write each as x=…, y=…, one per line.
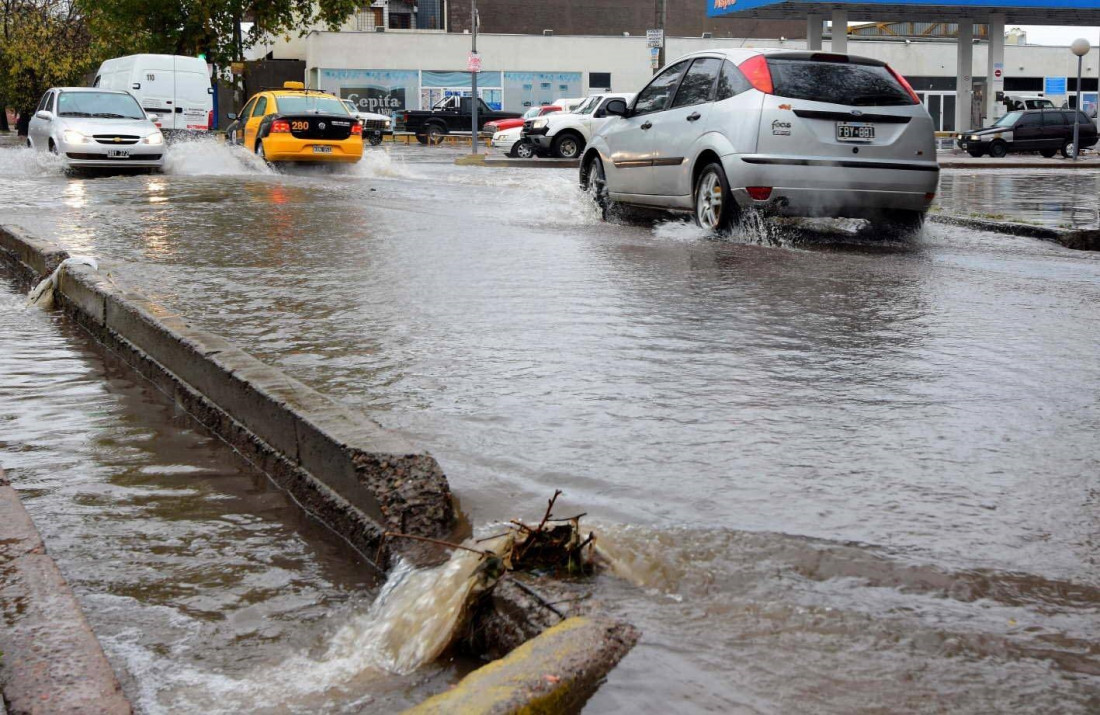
x=280, y=126
x=356, y=128
x=210, y=119
x=904, y=84
x=759, y=193
x=757, y=73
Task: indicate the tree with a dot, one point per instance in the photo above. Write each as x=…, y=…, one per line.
x=46, y=43
x=191, y=27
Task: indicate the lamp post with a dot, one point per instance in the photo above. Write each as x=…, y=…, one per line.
x=1080, y=47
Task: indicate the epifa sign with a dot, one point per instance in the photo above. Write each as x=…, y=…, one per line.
x=379, y=100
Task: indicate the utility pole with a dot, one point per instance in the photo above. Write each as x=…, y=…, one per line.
x=474, y=67
x=662, y=18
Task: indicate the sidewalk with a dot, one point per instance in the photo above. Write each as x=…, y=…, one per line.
x=960, y=160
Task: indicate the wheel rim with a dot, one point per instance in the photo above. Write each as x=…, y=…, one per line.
x=708, y=200
x=523, y=151
x=434, y=135
x=568, y=148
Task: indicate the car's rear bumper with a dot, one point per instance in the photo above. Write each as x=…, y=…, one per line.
x=294, y=149
x=829, y=186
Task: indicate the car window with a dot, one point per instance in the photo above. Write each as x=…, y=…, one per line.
x=1083, y=118
x=44, y=102
x=1008, y=120
x=698, y=83
x=1029, y=120
x=105, y=105
x=654, y=98
x=261, y=107
x=846, y=82
x=244, y=113
x=731, y=83
x=1056, y=119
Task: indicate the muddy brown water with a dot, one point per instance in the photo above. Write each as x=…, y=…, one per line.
x=836, y=473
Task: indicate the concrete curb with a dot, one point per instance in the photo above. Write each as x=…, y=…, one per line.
x=1080, y=239
x=355, y=476
x=545, y=163
x=554, y=673
x=51, y=663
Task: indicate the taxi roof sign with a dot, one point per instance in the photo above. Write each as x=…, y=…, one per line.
x=294, y=85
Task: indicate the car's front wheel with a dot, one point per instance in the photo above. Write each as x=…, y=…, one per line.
x=523, y=150
x=975, y=152
x=375, y=139
x=1048, y=153
x=594, y=181
x=715, y=208
x=568, y=146
x=1067, y=149
x=998, y=149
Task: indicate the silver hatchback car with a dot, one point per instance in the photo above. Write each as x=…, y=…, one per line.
x=96, y=128
x=790, y=133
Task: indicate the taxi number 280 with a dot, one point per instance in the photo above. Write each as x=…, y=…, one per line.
x=299, y=126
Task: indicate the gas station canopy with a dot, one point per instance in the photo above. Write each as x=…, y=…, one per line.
x=1018, y=12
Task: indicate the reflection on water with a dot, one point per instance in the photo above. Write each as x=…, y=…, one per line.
x=863, y=475
x=1064, y=199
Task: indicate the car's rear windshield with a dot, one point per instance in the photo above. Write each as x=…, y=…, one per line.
x=310, y=104
x=106, y=105
x=847, y=83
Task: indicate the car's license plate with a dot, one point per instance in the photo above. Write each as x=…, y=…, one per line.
x=117, y=153
x=322, y=150
x=854, y=131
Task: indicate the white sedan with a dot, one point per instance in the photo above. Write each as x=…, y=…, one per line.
x=512, y=143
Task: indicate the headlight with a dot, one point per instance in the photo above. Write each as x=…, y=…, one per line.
x=974, y=137
x=71, y=136
x=154, y=138
x=386, y=124
x=539, y=124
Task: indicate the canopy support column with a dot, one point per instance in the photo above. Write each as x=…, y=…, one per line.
x=840, y=31
x=995, y=68
x=964, y=82
x=813, y=32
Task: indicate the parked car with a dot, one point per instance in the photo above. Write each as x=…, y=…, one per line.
x=375, y=126
x=512, y=143
x=96, y=128
x=793, y=133
x=499, y=125
x=176, y=89
x=1026, y=101
x=568, y=104
x=1046, y=131
x=450, y=114
x=297, y=124
x=565, y=135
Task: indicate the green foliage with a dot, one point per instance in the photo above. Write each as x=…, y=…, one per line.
x=191, y=27
x=45, y=43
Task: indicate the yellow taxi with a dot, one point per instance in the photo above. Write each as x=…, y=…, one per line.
x=297, y=124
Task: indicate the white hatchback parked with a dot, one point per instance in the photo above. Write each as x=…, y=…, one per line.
x=791, y=133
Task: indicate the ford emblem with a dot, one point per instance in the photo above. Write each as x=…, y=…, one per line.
x=321, y=125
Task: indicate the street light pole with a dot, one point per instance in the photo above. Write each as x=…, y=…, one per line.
x=1080, y=47
x=662, y=18
x=473, y=76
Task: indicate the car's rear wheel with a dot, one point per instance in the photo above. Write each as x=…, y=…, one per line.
x=1067, y=149
x=523, y=150
x=715, y=208
x=975, y=152
x=594, y=181
x=899, y=223
x=998, y=149
x=436, y=133
x=422, y=138
x=568, y=146
x=1048, y=153
x=260, y=149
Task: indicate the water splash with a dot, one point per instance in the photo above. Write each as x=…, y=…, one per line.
x=25, y=163
x=208, y=157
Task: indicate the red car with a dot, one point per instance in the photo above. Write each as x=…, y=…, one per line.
x=501, y=124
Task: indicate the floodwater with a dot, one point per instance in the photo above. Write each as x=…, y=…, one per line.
x=1057, y=199
x=835, y=473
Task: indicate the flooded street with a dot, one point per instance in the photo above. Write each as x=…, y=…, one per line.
x=835, y=474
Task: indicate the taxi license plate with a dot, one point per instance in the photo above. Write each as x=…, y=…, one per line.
x=117, y=153
x=854, y=132
x=322, y=150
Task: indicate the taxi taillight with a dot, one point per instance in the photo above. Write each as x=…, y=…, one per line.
x=356, y=128
x=280, y=126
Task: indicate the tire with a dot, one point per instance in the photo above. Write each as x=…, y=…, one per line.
x=899, y=224
x=998, y=149
x=1067, y=149
x=375, y=139
x=524, y=150
x=715, y=208
x=260, y=149
x=422, y=138
x=436, y=132
x=594, y=182
x=975, y=152
x=29, y=145
x=1048, y=153
x=231, y=138
x=567, y=146
x=53, y=148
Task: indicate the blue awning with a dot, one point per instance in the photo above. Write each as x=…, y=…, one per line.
x=1029, y=12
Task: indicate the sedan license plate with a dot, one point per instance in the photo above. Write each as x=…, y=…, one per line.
x=854, y=132
x=322, y=150
x=117, y=153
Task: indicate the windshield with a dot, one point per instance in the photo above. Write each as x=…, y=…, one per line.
x=531, y=113
x=310, y=104
x=108, y=105
x=349, y=104
x=589, y=106
x=1008, y=120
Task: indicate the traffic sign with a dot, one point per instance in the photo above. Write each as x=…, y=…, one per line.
x=996, y=73
x=654, y=57
x=473, y=62
x=655, y=38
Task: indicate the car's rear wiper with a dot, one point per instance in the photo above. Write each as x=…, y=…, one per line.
x=111, y=115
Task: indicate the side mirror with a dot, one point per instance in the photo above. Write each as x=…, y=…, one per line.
x=230, y=115
x=44, y=114
x=616, y=108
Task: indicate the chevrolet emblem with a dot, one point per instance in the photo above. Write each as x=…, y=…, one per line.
x=118, y=139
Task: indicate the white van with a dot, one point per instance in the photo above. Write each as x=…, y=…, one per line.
x=175, y=89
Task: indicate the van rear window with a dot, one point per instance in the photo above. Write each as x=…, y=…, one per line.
x=837, y=82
